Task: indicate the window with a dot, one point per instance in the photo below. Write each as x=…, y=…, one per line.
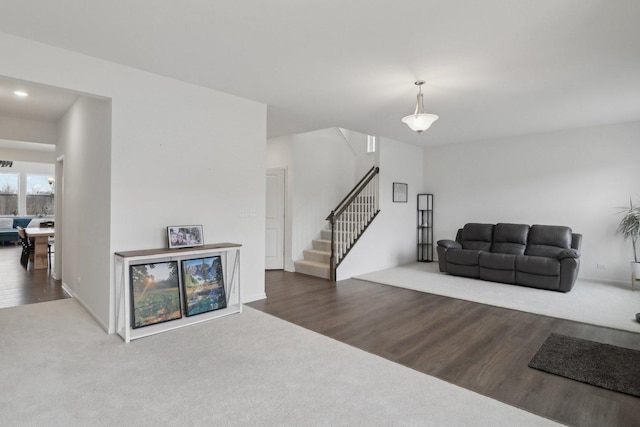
x=40, y=194
x=9, y=193
x=371, y=143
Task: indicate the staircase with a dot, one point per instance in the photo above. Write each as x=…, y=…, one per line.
x=348, y=221
x=316, y=261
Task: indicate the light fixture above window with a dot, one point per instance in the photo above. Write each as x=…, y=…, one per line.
x=52, y=184
x=20, y=93
x=419, y=121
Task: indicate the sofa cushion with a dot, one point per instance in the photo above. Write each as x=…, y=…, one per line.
x=537, y=281
x=548, y=240
x=497, y=261
x=477, y=236
x=541, y=266
x=497, y=267
x=463, y=257
x=510, y=238
x=502, y=276
x=463, y=270
x=6, y=223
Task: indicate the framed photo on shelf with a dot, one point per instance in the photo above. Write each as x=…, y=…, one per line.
x=185, y=236
x=400, y=192
x=203, y=285
x=155, y=293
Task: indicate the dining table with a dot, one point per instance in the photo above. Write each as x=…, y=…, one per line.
x=40, y=239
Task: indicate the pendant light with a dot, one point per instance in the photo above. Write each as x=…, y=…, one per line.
x=419, y=121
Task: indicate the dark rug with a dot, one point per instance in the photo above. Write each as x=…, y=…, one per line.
x=603, y=365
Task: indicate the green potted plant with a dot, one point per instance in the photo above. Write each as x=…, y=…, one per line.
x=629, y=228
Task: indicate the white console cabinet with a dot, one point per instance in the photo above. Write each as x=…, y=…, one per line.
x=230, y=259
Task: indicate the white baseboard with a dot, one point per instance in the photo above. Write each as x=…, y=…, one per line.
x=609, y=282
x=85, y=306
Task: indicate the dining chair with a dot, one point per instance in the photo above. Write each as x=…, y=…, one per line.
x=27, y=248
x=50, y=243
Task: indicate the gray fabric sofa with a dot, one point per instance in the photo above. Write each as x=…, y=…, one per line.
x=538, y=256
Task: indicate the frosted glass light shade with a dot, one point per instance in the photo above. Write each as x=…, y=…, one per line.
x=419, y=122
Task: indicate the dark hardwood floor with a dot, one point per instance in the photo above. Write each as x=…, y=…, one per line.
x=481, y=348
x=19, y=286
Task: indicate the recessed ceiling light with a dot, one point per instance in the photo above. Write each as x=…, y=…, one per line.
x=20, y=93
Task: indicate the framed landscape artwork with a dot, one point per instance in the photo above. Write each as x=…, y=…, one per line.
x=185, y=236
x=203, y=285
x=400, y=192
x=155, y=293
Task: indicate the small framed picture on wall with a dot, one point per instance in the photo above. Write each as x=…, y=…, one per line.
x=400, y=192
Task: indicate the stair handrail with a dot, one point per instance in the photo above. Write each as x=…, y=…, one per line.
x=353, y=193
x=337, y=212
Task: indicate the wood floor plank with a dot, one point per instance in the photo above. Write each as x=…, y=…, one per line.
x=479, y=347
x=20, y=286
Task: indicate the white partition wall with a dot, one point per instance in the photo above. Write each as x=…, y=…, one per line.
x=175, y=154
x=390, y=240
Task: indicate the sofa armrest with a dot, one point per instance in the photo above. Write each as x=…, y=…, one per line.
x=568, y=253
x=449, y=244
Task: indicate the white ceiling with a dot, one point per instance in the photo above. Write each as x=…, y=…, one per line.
x=44, y=103
x=494, y=68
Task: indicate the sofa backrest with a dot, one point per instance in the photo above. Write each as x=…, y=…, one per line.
x=548, y=240
x=21, y=222
x=510, y=238
x=14, y=222
x=477, y=236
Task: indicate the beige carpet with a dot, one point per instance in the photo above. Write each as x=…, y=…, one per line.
x=58, y=368
x=592, y=302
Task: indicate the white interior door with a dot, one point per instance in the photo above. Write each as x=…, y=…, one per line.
x=274, y=236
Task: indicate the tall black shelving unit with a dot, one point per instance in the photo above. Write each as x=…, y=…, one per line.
x=425, y=227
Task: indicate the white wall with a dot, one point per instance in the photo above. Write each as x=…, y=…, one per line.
x=364, y=161
x=390, y=240
x=18, y=129
x=180, y=154
x=84, y=226
x=575, y=178
x=26, y=151
x=321, y=170
x=322, y=175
